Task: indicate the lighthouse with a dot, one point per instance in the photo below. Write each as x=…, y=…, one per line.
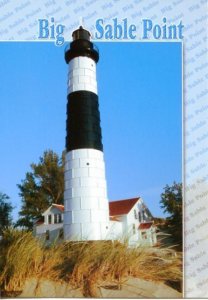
x=86, y=208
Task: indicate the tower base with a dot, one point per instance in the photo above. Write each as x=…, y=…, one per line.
x=86, y=215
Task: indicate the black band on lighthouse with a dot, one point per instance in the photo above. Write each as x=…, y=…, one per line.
x=81, y=46
x=83, y=122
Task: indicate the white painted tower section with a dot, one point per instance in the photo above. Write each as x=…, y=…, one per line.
x=82, y=75
x=86, y=215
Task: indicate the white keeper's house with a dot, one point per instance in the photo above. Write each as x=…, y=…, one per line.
x=129, y=218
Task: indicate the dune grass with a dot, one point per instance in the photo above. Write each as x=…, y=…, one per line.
x=84, y=265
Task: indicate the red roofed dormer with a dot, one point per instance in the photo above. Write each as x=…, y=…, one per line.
x=122, y=207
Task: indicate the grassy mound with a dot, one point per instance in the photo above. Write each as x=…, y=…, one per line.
x=82, y=264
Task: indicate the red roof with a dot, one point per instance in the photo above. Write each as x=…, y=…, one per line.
x=145, y=225
x=122, y=207
x=59, y=206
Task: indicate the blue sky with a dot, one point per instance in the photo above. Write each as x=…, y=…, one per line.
x=139, y=87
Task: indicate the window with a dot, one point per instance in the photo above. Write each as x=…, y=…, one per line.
x=59, y=218
x=49, y=219
x=135, y=214
x=140, y=217
x=55, y=219
x=47, y=235
x=144, y=235
x=134, y=229
x=143, y=215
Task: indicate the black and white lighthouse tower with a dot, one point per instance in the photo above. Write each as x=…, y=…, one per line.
x=86, y=215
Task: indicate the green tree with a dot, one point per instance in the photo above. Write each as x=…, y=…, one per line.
x=41, y=187
x=5, y=212
x=171, y=202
